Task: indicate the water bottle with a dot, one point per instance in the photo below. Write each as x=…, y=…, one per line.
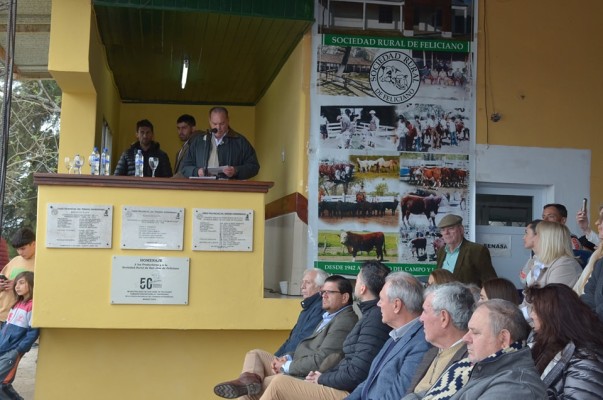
x=105, y=162
x=139, y=164
x=94, y=160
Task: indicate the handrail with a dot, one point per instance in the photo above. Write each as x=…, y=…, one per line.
x=221, y=185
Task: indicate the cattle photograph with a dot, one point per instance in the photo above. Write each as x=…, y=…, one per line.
x=366, y=202
x=419, y=245
x=352, y=245
x=432, y=185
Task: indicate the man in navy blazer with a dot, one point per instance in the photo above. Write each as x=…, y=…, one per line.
x=401, y=303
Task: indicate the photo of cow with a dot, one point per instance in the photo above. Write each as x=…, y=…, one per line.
x=431, y=186
x=419, y=246
x=353, y=245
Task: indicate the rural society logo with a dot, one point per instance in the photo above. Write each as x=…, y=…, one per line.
x=394, y=77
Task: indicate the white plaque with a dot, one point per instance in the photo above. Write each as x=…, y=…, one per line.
x=85, y=226
x=159, y=228
x=222, y=229
x=149, y=280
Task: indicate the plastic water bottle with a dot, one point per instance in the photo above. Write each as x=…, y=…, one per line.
x=139, y=164
x=94, y=160
x=105, y=162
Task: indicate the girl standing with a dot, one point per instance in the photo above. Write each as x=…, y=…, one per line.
x=17, y=335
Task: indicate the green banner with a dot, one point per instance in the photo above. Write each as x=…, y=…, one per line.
x=396, y=43
x=352, y=268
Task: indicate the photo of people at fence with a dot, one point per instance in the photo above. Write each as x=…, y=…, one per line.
x=347, y=71
x=427, y=128
x=352, y=245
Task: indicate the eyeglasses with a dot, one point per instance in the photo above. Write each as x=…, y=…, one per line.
x=329, y=292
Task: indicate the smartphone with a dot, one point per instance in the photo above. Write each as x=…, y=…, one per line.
x=584, y=202
x=3, y=277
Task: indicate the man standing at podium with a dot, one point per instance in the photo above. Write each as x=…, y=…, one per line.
x=221, y=151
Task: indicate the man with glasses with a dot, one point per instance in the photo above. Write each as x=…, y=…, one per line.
x=469, y=262
x=260, y=366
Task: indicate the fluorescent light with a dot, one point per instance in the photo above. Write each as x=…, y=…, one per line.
x=184, y=73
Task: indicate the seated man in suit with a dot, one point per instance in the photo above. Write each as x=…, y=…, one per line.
x=446, y=312
x=469, y=262
x=260, y=366
x=401, y=302
x=359, y=348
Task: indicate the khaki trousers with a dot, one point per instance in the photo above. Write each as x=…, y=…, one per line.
x=285, y=387
x=259, y=362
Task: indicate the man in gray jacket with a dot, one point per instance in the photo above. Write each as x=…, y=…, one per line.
x=499, y=365
x=220, y=149
x=260, y=367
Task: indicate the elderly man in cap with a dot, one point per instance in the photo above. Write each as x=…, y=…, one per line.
x=469, y=262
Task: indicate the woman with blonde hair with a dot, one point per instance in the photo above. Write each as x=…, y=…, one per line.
x=555, y=261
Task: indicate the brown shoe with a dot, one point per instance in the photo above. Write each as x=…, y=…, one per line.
x=247, y=384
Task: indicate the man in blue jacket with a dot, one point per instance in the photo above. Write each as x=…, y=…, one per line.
x=359, y=348
x=311, y=312
x=401, y=303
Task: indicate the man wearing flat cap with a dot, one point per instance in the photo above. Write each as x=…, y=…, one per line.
x=469, y=262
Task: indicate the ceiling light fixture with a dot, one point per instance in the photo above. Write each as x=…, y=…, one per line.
x=184, y=73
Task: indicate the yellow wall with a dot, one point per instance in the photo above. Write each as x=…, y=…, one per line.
x=78, y=62
x=283, y=122
x=88, y=364
x=539, y=67
x=226, y=312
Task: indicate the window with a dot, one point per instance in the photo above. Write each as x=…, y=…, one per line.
x=503, y=210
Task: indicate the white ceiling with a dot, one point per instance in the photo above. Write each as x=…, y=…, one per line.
x=32, y=37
